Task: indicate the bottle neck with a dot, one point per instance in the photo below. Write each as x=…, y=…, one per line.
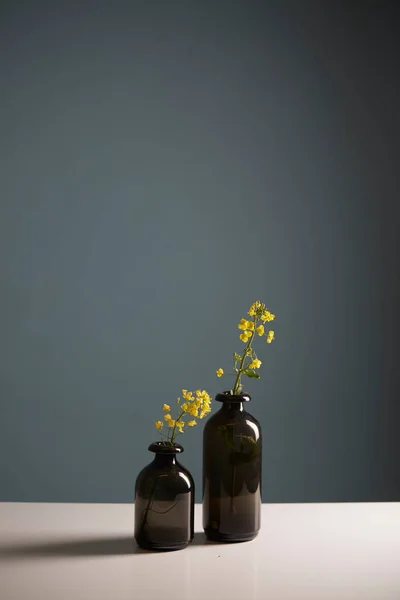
x=164, y=460
x=236, y=407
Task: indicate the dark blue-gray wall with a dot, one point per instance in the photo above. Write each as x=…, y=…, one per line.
x=163, y=165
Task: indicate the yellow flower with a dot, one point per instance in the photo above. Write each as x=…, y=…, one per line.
x=191, y=423
x=187, y=395
x=184, y=406
x=193, y=411
x=256, y=306
x=159, y=424
x=270, y=336
x=180, y=425
x=167, y=417
x=219, y=372
x=250, y=325
x=255, y=364
x=267, y=316
x=243, y=324
x=260, y=330
x=245, y=336
x=171, y=423
x=166, y=407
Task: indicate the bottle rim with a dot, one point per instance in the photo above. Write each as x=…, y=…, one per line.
x=164, y=448
x=227, y=396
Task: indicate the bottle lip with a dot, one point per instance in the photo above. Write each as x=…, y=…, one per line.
x=228, y=397
x=162, y=448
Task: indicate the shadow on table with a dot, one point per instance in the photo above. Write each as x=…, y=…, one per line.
x=109, y=546
x=201, y=540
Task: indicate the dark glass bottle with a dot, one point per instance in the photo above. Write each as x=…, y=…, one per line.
x=232, y=472
x=164, y=501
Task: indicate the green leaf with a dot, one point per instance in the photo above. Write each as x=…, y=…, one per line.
x=251, y=373
x=249, y=439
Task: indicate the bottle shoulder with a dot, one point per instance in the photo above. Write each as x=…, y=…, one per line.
x=185, y=474
x=244, y=422
x=174, y=475
x=252, y=419
x=227, y=415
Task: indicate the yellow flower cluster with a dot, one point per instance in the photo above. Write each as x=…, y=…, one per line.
x=248, y=329
x=270, y=336
x=258, y=309
x=197, y=404
x=169, y=420
x=255, y=308
x=244, y=324
x=260, y=330
x=247, y=362
x=245, y=336
x=255, y=364
x=267, y=316
x=180, y=425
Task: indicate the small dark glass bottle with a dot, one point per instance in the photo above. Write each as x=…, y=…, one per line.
x=232, y=472
x=164, y=501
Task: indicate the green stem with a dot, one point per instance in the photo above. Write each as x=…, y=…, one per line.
x=149, y=506
x=233, y=485
x=237, y=382
x=147, y=509
x=173, y=435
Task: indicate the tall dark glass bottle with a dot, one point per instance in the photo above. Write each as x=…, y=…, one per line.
x=164, y=501
x=232, y=472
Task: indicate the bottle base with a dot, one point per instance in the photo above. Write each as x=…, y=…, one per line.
x=229, y=538
x=154, y=546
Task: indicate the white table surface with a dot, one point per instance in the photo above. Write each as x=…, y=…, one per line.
x=310, y=551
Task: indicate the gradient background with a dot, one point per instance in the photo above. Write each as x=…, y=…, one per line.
x=163, y=165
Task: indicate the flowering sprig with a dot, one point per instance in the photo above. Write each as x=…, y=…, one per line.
x=196, y=405
x=247, y=362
